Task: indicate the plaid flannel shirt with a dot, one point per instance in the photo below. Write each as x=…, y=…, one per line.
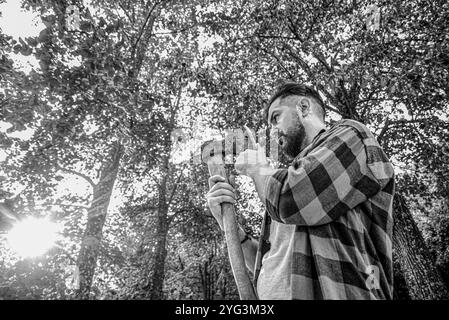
x=339, y=194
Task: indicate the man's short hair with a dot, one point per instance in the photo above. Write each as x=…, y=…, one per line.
x=295, y=89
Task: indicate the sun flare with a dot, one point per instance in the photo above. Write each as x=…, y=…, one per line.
x=32, y=237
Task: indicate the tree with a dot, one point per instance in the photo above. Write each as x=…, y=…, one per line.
x=107, y=94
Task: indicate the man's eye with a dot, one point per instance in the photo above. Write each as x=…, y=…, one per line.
x=276, y=118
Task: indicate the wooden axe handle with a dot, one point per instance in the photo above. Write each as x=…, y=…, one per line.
x=235, y=252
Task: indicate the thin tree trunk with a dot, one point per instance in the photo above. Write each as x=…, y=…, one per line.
x=87, y=258
x=419, y=269
x=158, y=270
x=157, y=274
x=203, y=280
x=210, y=281
x=156, y=282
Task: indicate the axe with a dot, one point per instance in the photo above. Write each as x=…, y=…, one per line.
x=214, y=156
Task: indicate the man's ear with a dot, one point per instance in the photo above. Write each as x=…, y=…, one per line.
x=304, y=107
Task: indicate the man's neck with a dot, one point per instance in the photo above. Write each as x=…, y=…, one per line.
x=312, y=132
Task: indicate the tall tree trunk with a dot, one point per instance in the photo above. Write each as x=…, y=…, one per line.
x=157, y=274
x=419, y=269
x=158, y=269
x=208, y=277
x=102, y=192
x=400, y=290
x=87, y=258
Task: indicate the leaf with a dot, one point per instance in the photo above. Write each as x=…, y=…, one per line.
x=26, y=50
x=44, y=35
x=48, y=20
x=86, y=26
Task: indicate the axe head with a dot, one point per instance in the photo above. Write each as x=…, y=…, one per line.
x=229, y=147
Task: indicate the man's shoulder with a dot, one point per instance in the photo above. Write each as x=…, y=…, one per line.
x=342, y=131
x=355, y=125
x=377, y=160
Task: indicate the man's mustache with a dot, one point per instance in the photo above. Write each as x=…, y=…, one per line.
x=281, y=138
x=281, y=142
x=278, y=133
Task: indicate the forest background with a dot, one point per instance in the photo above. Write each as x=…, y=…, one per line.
x=103, y=106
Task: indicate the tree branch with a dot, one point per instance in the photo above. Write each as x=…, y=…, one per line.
x=405, y=121
x=69, y=205
x=304, y=66
x=79, y=174
x=263, y=36
x=178, y=100
x=384, y=130
x=380, y=99
x=321, y=59
x=133, y=50
x=126, y=13
x=4, y=101
x=8, y=213
x=292, y=27
x=331, y=98
x=365, y=109
x=175, y=31
x=278, y=60
x=328, y=107
x=175, y=186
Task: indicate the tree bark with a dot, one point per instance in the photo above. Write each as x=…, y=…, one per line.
x=208, y=275
x=155, y=284
x=87, y=258
x=102, y=192
x=400, y=290
x=419, y=269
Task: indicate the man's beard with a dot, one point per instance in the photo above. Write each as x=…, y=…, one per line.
x=292, y=140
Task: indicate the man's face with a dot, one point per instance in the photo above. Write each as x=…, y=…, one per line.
x=284, y=120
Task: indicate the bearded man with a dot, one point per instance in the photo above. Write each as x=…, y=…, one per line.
x=327, y=231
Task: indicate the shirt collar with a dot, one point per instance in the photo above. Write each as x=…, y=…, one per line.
x=318, y=135
x=306, y=149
